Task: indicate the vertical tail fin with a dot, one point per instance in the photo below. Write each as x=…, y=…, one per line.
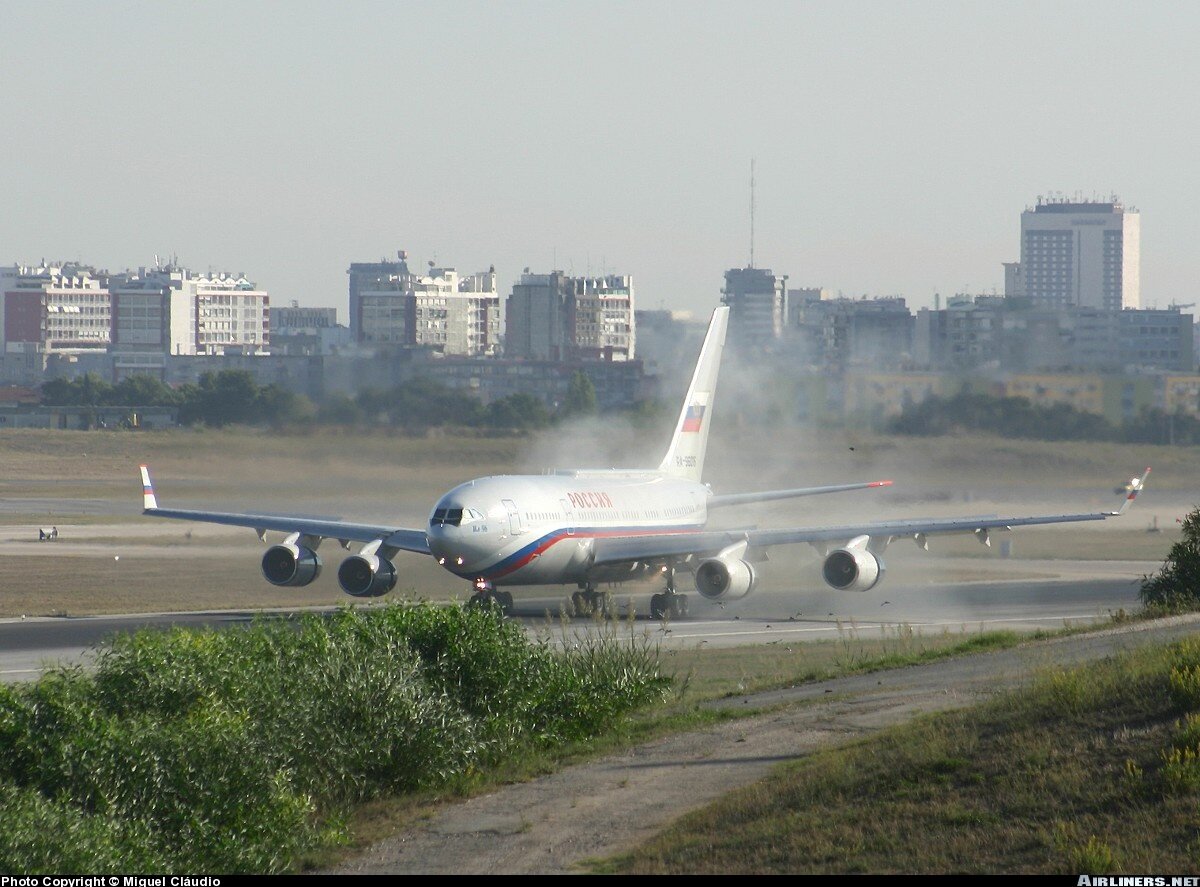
x=149, y=502
x=685, y=455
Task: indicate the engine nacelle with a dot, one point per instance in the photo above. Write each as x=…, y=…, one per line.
x=725, y=579
x=366, y=575
x=290, y=565
x=852, y=569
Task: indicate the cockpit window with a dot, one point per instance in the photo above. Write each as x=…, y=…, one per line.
x=453, y=517
x=446, y=517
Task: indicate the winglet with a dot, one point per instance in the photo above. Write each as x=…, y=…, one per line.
x=149, y=503
x=1135, y=486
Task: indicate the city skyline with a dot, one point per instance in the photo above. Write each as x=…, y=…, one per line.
x=895, y=147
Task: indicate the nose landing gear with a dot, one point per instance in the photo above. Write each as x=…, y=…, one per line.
x=485, y=595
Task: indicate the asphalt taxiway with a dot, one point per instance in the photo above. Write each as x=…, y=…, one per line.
x=1066, y=593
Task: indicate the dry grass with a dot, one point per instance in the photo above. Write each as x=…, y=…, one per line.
x=1060, y=779
x=704, y=673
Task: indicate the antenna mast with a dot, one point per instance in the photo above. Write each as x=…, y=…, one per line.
x=751, y=212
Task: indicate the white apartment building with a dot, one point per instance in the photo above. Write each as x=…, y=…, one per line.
x=154, y=311
x=55, y=308
x=232, y=316
x=455, y=315
x=555, y=317
x=167, y=310
x=1079, y=253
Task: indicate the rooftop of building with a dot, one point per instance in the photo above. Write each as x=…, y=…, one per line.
x=1078, y=205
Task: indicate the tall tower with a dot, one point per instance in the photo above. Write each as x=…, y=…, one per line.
x=1081, y=253
x=757, y=307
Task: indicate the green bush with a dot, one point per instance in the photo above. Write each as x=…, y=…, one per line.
x=1176, y=586
x=233, y=751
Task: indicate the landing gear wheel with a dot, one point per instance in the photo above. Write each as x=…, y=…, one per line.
x=659, y=606
x=505, y=601
x=478, y=600
x=580, y=604
x=601, y=602
x=679, y=606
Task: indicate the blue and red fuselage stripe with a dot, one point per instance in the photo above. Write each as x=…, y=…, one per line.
x=536, y=548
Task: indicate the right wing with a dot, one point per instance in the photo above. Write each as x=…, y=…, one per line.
x=708, y=543
x=394, y=537
x=772, y=495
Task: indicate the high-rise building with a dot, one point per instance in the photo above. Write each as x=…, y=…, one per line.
x=757, y=307
x=1079, y=253
x=55, y=308
x=233, y=316
x=392, y=307
x=171, y=310
x=382, y=276
x=555, y=317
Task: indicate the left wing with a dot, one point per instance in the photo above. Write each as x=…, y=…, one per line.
x=395, y=537
x=709, y=543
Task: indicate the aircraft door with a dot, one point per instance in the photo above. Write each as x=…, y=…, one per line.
x=514, y=517
x=568, y=516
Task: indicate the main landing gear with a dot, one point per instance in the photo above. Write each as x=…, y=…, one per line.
x=487, y=596
x=670, y=603
x=588, y=601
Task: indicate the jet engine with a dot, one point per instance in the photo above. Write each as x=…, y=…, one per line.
x=725, y=578
x=289, y=564
x=852, y=569
x=366, y=575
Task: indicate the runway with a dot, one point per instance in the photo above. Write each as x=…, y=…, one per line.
x=1070, y=593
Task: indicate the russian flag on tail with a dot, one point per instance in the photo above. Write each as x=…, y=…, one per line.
x=693, y=417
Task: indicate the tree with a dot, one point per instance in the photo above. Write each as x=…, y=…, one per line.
x=518, y=412
x=279, y=406
x=142, y=389
x=59, y=393
x=581, y=397
x=93, y=390
x=224, y=398
x=1176, y=585
x=88, y=390
x=339, y=409
x=420, y=404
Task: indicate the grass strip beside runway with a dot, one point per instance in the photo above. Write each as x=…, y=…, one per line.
x=1093, y=769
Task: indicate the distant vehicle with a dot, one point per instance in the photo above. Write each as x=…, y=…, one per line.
x=47, y=534
x=584, y=527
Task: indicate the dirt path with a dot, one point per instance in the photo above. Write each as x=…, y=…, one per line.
x=606, y=806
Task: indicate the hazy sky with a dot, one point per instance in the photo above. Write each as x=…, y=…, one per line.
x=896, y=143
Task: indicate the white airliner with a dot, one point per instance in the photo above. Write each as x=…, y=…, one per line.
x=587, y=527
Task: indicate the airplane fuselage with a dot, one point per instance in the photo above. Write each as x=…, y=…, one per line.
x=540, y=529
